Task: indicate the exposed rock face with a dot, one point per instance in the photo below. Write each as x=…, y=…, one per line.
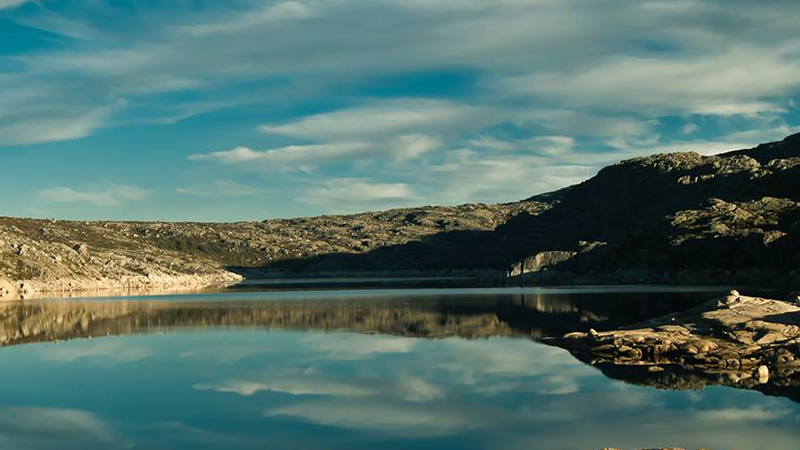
x=739, y=341
x=678, y=217
x=541, y=261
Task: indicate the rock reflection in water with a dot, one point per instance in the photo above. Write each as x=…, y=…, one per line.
x=431, y=316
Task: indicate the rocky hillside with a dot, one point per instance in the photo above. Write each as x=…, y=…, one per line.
x=60, y=256
x=669, y=218
x=672, y=218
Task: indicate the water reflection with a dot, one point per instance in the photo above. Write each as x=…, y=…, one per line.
x=304, y=390
x=352, y=373
x=403, y=313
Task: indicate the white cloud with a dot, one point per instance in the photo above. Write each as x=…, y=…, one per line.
x=263, y=16
x=472, y=176
x=48, y=125
x=543, y=145
x=111, y=195
x=585, y=124
x=689, y=128
x=389, y=118
x=292, y=157
x=393, y=130
x=718, y=84
x=355, y=192
x=718, y=59
x=8, y=4
x=221, y=188
x=411, y=146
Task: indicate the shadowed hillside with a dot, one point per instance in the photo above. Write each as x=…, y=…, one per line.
x=669, y=217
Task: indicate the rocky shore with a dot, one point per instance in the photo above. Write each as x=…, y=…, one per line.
x=740, y=341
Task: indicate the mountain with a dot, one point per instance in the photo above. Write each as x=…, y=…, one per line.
x=668, y=218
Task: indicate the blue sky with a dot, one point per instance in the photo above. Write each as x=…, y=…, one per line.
x=240, y=109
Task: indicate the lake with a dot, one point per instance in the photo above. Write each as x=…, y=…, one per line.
x=429, y=368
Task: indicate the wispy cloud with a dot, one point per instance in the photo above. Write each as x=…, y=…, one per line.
x=389, y=118
x=292, y=157
x=716, y=84
x=349, y=193
x=549, y=53
x=111, y=195
x=8, y=4
x=221, y=188
x=236, y=22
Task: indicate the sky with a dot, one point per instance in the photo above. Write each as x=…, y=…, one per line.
x=226, y=110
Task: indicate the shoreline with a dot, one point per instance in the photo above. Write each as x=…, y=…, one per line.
x=211, y=277
x=152, y=284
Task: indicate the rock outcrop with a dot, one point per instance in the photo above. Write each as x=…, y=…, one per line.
x=738, y=341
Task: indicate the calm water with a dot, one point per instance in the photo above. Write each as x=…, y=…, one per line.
x=402, y=369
